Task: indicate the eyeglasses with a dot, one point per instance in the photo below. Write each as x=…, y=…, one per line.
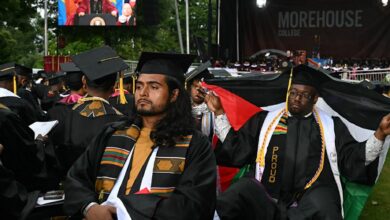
x=294, y=94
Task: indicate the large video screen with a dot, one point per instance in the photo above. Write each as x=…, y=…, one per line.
x=97, y=12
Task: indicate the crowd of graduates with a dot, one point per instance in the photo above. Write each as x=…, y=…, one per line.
x=101, y=121
x=32, y=166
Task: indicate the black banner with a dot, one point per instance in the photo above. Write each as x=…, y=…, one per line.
x=332, y=28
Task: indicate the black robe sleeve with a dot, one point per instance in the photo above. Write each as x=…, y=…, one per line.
x=239, y=148
x=193, y=198
x=80, y=181
x=21, y=153
x=352, y=157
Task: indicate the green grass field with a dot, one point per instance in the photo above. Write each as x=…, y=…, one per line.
x=378, y=204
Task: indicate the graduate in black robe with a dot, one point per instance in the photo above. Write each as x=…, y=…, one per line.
x=79, y=122
x=165, y=145
x=23, y=155
x=297, y=178
x=8, y=88
x=73, y=81
x=55, y=90
x=24, y=85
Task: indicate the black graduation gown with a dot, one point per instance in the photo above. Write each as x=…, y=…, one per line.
x=240, y=148
x=193, y=197
x=127, y=109
x=75, y=131
x=21, y=107
x=49, y=100
x=33, y=101
x=16, y=202
x=22, y=154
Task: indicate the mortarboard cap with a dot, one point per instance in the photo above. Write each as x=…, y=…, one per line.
x=69, y=67
x=174, y=65
x=73, y=75
x=99, y=62
x=305, y=75
x=199, y=72
x=55, y=78
x=23, y=71
x=7, y=70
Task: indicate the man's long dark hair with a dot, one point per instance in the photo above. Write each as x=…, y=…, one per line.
x=178, y=120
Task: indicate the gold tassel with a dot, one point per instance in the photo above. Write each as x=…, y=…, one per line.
x=122, y=98
x=288, y=88
x=15, y=85
x=134, y=78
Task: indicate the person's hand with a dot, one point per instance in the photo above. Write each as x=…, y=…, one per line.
x=81, y=14
x=214, y=103
x=114, y=13
x=384, y=128
x=103, y=212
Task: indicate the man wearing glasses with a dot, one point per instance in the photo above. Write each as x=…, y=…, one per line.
x=296, y=156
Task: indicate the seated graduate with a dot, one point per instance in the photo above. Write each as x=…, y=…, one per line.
x=74, y=83
x=126, y=106
x=204, y=118
x=157, y=166
x=25, y=87
x=21, y=154
x=55, y=89
x=8, y=93
x=296, y=156
x=92, y=112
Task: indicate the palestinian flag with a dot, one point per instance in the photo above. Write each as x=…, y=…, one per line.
x=359, y=108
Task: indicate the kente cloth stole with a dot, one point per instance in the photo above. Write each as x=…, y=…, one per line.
x=94, y=107
x=167, y=169
x=272, y=176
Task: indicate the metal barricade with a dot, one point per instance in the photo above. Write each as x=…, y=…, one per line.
x=378, y=75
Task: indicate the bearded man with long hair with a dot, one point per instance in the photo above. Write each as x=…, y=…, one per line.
x=154, y=166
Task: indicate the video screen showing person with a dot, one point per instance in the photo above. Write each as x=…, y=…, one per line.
x=97, y=12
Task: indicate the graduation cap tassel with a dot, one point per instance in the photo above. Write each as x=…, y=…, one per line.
x=134, y=78
x=15, y=86
x=288, y=88
x=122, y=98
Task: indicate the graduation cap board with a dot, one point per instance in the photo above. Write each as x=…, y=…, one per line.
x=73, y=75
x=69, y=67
x=99, y=62
x=55, y=78
x=9, y=69
x=23, y=70
x=170, y=64
x=12, y=69
x=200, y=71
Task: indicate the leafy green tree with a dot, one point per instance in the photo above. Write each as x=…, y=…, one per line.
x=18, y=31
